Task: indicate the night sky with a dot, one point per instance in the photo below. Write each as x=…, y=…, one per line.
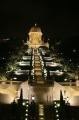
x=55, y=16
x=62, y=17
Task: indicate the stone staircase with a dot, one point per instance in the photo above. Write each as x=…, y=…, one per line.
x=38, y=68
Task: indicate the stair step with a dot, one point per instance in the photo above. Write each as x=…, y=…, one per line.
x=40, y=82
x=37, y=62
x=38, y=69
x=38, y=73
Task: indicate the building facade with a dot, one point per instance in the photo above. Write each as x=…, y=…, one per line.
x=35, y=38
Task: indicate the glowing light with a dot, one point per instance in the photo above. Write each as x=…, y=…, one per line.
x=57, y=115
x=41, y=118
x=26, y=110
x=23, y=103
x=26, y=57
x=56, y=111
x=21, y=72
x=27, y=105
x=41, y=110
x=27, y=101
x=54, y=102
x=15, y=78
x=33, y=98
x=26, y=119
x=58, y=105
x=23, y=63
x=26, y=114
x=55, y=106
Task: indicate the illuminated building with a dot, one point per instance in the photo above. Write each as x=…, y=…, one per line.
x=35, y=38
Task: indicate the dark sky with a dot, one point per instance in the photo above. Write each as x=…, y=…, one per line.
x=60, y=16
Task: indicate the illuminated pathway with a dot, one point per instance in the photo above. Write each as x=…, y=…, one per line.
x=45, y=93
x=38, y=68
x=42, y=92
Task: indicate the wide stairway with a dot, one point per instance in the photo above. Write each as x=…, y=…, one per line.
x=38, y=68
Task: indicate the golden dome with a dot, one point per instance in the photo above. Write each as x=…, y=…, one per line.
x=35, y=29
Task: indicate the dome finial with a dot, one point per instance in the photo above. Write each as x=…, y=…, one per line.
x=35, y=28
x=35, y=24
